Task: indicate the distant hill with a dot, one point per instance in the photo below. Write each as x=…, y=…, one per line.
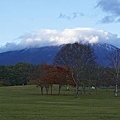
x=47, y=54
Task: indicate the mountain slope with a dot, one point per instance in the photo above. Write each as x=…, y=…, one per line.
x=47, y=54
x=32, y=55
x=102, y=52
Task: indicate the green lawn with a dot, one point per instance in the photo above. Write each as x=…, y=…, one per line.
x=26, y=103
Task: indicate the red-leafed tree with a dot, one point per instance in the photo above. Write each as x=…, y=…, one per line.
x=37, y=77
x=47, y=75
x=58, y=75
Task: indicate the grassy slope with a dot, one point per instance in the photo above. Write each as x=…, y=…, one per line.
x=25, y=103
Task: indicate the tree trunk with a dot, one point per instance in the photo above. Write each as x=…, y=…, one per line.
x=84, y=89
x=89, y=90
x=116, y=91
x=59, y=89
x=51, y=89
x=77, y=89
x=41, y=90
x=96, y=89
x=116, y=86
x=47, y=89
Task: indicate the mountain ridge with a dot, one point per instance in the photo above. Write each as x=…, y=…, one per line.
x=46, y=54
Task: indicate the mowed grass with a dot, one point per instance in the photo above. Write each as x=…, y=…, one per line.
x=26, y=103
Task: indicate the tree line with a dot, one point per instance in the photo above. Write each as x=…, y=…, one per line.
x=75, y=65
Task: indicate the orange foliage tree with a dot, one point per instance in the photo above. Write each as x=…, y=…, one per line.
x=37, y=77
x=47, y=75
x=58, y=75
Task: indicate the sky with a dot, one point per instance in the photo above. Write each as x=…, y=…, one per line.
x=37, y=23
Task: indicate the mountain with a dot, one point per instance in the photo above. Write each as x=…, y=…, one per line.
x=31, y=55
x=102, y=52
x=47, y=54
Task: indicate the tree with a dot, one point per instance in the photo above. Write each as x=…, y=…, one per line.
x=114, y=59
x=58, y=75
x=21, y=73
x=78, y=57
x=5, y=75
x=37, y=77
x=18, y=74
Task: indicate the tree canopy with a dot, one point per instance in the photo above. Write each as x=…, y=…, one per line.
x=79, y=57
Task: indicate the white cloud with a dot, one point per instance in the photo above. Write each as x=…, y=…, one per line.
x=49, y=37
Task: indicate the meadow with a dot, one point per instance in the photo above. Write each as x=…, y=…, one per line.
x=26, y=103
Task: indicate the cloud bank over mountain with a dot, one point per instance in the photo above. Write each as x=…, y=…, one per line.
x=49, y=37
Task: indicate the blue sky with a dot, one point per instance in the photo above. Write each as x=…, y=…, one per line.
x=25, y=22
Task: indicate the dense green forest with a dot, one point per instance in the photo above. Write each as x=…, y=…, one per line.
x=18, y=74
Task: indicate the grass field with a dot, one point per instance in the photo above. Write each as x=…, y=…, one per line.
x=26, y=103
